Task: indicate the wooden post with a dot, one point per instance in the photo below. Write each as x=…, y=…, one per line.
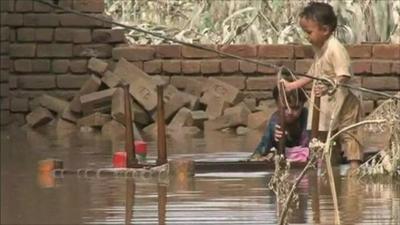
x=162, y=202
x=315, y=118
x=131, y=160
x=282, y=140
x=161, y=137
x=130, y=200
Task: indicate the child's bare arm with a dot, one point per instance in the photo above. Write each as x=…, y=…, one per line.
x=321, y=89
x=289, y=86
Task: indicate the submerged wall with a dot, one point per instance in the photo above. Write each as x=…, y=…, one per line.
x=46, y=51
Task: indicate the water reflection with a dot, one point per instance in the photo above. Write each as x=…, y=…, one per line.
x=215, y=198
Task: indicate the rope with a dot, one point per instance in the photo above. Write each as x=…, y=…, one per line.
x=270, y=65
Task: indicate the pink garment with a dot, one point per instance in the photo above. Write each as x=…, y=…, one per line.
x=297, y=154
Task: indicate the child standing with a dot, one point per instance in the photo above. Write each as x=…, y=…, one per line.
x=331, y=61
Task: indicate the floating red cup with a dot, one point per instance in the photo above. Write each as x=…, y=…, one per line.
x=141, y=147
x=119, y=160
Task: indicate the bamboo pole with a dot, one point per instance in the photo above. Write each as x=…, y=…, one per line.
x=129, y=200
x=161, y=137
x=282, y=124
x=131, y=160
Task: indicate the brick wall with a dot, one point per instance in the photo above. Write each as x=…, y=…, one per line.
x=46, y=51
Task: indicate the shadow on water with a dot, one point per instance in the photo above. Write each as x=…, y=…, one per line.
x=28, y=197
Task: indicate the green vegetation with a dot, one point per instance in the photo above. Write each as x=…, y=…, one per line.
x=253, y=21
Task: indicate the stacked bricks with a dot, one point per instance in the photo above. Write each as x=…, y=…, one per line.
x=49, y=49
x=376, y=66
x=4, y=64
x=46, y=51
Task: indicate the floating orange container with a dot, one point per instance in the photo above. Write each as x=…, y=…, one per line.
x=119, y=157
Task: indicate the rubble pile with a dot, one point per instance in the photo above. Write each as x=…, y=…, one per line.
x=190, y=107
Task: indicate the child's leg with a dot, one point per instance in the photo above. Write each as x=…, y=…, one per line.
x=349, y=140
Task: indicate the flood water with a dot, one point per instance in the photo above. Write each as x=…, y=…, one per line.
x=213, y=198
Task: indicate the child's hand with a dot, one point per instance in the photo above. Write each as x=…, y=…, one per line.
x=320, y=90
x=288, y=85
x=278, y=133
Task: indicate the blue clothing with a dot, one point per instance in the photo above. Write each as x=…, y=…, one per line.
x=297, y=133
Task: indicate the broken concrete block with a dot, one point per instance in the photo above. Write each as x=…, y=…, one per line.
x=90, y=86
x=64, y=127
x=216, y=107
x=183, y=132
x=198, y=118
x=251, y=103
x=52, y=103
x=118, y=105
x=258, y=119
x=115, y=130
x=194, y=87
x=232, y=117
x=69, y=115
x=38, y=117
x=99, y=101
x=110, y=79
x=238, y=114
x=97, y=65
x=221, y=89
x=173, y=105
x=142, y=86
x=181, y=118
x=96, y=119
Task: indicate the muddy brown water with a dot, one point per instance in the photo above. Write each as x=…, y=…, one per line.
x=210, y=198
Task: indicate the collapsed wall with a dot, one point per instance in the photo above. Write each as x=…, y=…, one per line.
x=46, y=51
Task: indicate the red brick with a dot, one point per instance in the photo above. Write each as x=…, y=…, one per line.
x=26, y=35
x=192, y=53
x=41, y=20
x=247, y=67
x=5, y=62
x=71, y=81
x=23, y=6
x=270, y=70
x=54, y=50
x=13, y=36
x=13, y=82
x=4, y=33
x=229, y=65
x=78, y=65
x=4, y=103
x=6, y=5
x=4, y=75
x=396, y=67
x=236, y=81
x=39, y=7
x=37, y=82
x=72, y=20
x=191, y=67
x=93, y=50
x=133, y=53
x=19, y=104
x=361, y=66
x=22, y=50
x=386, y=51
x=138, y=64
x=40, y=65
x=4, y=48
x=23, y=65
x=381, y=67
x=275, y=51
x=14, y=19
x=44, y=35
x=60, y=65
x=171, y=66
x=240, y=50
x=152, y=67
x=210, y=66
x=359, y=51
x=168, y=51
x=82, y=36
x=108, y=36
x=93, y=6
x=4, y=90
x=303, y=51
x=303, y=65
x=381, y=83
x=261, y=83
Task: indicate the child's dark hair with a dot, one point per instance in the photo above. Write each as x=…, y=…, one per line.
x=322, y=13
x=292, y=96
